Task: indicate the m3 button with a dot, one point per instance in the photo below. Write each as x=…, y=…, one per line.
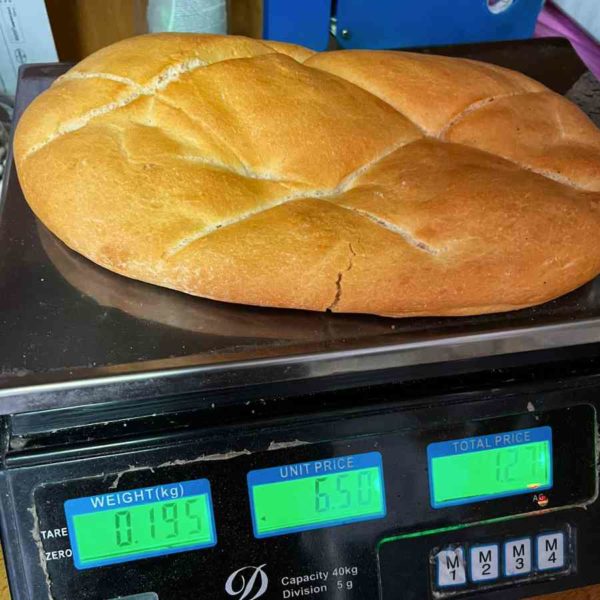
x=517, y=557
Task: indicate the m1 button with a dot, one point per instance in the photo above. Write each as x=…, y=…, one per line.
x=517, y=557
x=451, y=568
x=484, y=563
x=550, y=551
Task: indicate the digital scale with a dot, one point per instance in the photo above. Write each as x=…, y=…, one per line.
x=157, y=446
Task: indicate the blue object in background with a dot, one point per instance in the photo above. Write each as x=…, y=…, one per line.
x=399, y=23
x=304, y=22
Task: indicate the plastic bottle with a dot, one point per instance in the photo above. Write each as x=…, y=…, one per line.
x=202, y=16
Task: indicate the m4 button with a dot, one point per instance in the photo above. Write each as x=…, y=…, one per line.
x=550, y=551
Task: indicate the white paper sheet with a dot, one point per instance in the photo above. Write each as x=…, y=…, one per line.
x=26, y=37
x=585, y=12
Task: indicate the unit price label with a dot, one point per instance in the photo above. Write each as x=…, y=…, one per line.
x=317, y=494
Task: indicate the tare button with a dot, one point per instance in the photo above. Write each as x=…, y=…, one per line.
x=517, y=557
x=550, y=551
x=451, y=568
x=484, y=562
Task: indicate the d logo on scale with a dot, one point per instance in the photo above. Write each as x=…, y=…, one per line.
x=257, y=584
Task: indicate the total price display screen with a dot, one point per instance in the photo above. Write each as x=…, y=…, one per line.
x=490, y=466
x=140, y=523
x=316, y=494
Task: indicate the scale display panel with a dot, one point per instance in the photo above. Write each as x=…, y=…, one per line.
x=140, y=523
x=490, y=466
x=317, y=494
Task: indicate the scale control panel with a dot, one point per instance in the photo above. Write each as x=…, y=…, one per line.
x=369, y=515
x=468, y=567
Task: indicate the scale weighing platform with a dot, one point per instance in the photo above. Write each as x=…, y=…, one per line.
x=156, y=446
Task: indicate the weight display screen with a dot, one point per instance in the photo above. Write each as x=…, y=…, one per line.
x=490, y=466
x=321, y=493
x=140, y=523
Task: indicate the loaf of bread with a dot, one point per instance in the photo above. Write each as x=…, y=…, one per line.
x=231, y=322
x=355, y=181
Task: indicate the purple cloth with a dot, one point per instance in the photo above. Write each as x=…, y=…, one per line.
x=552, y=22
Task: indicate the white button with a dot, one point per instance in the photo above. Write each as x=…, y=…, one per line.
x=517, y=557
x=451, y=568
x=550, y=551
x=484, y=562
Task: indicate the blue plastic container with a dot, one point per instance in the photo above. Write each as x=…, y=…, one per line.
x=400, y=23
x=304, y=22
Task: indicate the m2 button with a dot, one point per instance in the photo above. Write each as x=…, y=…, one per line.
x=517, y=557
x=484, y=563
x=550, y=551
x=450, y=567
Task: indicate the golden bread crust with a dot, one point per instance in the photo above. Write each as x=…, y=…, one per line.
x=356, y=181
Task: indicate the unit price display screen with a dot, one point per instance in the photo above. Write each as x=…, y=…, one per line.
x=316, y=494
x=490, y=466
x=140, y=523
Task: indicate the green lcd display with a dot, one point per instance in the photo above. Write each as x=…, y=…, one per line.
x=142, y=525
x=490, y=466
x=311, y=495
